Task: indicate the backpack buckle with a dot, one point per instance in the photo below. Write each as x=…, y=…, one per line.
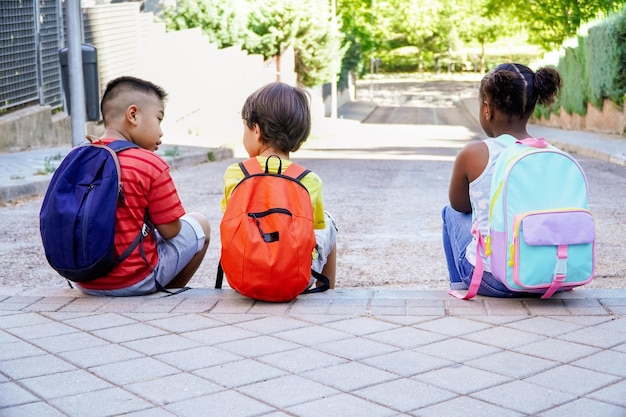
x=145, y=230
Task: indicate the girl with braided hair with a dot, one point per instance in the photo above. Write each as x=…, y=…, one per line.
x=508, y=95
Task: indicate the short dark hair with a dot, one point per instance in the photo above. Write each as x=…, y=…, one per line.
x=283, y=114
x=515, y=89
x=124, y=84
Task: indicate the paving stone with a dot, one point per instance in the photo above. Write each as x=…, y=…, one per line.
x=503, y=337
x=596, y=337
x=452, y=326
x=512, y=364
x=129, y=332
x=571, y=379
x=344, y=405
x=34, y=366
x=241, y=372
x=63, y=384
x=12, y=394
x=545, y=326
x=184, y=323
x=301, y=360
x=466, y=406
x=173, y=388
x=133, y=370
x=99, y=321
x=162, y=344
x=613, y=394
x=607, y=361
x=312, y=335
x=107, y=402
x=557, y=350
x=508, y=395
x=461, y=379
x=197, y=358
x=300, y=390
x=18, y=349
x=406, y=337
x=404, y=394
x=585, y=407
x=457, y=350
x=349, y=376
x=361, y=326
x=225, y=403
x=99, y=355
x=406, y=363
x=39, y=409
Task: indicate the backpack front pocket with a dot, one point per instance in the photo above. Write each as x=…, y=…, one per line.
x=551, y=246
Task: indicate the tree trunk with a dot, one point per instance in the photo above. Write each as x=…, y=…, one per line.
x=277, y=60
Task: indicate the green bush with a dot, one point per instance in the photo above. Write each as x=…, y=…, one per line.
x=573, y=97
x=603, y=49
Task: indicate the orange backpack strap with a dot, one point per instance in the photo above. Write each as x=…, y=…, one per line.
x=296, y=171
x=253, y=167
x=250, y=167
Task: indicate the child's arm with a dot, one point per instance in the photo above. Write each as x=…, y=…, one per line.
x=169, y=230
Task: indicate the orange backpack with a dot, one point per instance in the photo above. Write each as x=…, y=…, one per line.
x=267, y=235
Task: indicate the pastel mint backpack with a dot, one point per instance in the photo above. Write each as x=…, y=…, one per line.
x=542, y=234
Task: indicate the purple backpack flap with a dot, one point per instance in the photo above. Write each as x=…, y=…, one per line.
x=542, y=234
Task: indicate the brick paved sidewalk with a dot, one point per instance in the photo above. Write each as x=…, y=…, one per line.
x=342, y=353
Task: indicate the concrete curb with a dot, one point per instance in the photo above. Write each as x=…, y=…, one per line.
x=27, y=184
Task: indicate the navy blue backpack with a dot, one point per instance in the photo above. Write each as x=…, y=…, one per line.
x=77, y=217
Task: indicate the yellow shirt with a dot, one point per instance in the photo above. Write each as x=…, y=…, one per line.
x=312, y=182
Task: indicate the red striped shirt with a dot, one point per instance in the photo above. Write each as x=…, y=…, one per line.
x=147, y=184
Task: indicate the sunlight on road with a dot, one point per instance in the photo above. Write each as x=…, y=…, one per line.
x=352, y=140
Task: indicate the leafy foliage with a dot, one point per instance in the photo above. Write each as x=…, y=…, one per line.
x=573, y=97
x=553, y=21
x=224, y=22
x=606, y=50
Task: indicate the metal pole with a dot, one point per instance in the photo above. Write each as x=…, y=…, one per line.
x=333, y=80
x=75, y=71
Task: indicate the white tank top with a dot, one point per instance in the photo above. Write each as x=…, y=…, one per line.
x=479, y=198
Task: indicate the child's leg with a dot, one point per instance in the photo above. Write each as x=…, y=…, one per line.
x=330, y=269
x=183, y=277
x=326, y=245
x=456, y=236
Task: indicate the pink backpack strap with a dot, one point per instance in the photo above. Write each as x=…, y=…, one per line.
x=477, y=275
x=534, y=142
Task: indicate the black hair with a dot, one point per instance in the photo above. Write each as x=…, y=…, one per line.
x=282, y=113
x=515, y=89
x=123, y=84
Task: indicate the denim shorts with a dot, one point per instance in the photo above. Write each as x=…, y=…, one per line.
x=174, y=255
x=457, y=235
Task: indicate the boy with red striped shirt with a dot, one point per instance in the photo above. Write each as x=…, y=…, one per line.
x=132, y=109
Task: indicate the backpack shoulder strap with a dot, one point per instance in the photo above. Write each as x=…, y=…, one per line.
x=121, y=145
x=250, y=167
x=296, y=171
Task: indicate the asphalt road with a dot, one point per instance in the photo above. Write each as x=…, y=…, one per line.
x=385, y=181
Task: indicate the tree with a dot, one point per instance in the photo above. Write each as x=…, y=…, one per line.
x=480, y=27
x=304, y=25
x=360, y=36
x=318, y=49
x=274, y=25
x=224, y=22
x=419, y=23
x=551, y=22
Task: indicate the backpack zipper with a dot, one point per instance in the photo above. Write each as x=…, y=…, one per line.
x=85, y=229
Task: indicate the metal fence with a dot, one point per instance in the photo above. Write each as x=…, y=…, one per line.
x=31, y=33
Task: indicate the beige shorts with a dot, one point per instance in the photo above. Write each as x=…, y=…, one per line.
x=325, y=241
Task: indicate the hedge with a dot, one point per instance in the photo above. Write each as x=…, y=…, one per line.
x=595, y=69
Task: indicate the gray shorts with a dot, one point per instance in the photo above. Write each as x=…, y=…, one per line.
x=325, y=241
x=174, y=255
